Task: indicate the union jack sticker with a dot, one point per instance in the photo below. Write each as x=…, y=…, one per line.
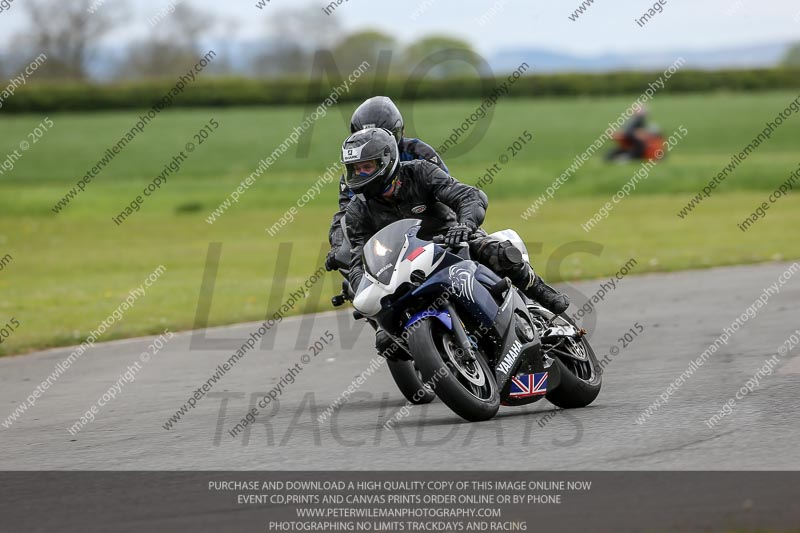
x=527, y=385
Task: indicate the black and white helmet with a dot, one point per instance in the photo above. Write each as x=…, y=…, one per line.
x=366, y=145
x=378, y=112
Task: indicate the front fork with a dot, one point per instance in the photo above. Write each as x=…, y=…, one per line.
x=460, y=334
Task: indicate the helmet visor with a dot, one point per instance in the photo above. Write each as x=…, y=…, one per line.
x=362, y=173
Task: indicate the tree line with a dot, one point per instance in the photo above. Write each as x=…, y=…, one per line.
x=77, y=39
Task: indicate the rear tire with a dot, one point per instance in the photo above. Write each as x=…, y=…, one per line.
x=410, y=383
x=572, y=392
x=470, y=391
x=580, y=380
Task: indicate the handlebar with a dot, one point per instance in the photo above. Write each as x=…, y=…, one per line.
x=439, y=239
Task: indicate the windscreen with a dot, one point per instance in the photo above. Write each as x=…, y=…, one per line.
x=383, y=250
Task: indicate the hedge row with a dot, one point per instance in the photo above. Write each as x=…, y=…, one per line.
x=254, y=92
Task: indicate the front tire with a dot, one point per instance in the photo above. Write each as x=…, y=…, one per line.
x=468, y=389
x=410, y=383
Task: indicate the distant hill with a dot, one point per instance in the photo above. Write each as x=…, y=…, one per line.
x=239, y=54
x=766, y=55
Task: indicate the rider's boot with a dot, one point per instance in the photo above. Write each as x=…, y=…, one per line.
x=523, y=276
x=552, y=300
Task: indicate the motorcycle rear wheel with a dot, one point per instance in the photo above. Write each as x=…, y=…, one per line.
x=581, y=378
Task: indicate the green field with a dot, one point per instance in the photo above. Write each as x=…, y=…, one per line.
x=69, y=271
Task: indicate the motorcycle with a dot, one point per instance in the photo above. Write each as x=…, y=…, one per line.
x=654, y=146
x=476, y=340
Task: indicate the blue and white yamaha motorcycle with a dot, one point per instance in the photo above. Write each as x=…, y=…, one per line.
x=474, y=338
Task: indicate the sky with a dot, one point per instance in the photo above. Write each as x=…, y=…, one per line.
x=493, y=25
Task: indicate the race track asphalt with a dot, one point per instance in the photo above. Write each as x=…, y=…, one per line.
x=681, y=315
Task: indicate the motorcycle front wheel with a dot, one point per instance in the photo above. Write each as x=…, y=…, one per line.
x=468, y=388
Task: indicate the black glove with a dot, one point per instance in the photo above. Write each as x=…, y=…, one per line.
x=330, y=260
x=458, y=234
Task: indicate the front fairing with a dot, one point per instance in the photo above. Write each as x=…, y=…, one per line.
x=391, y=256
x=462, y=281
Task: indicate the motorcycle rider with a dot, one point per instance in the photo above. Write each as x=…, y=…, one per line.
x=376, y=112
x=387, y=190
x=635, y=135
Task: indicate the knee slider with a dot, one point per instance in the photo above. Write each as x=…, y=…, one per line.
x=510, y=255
